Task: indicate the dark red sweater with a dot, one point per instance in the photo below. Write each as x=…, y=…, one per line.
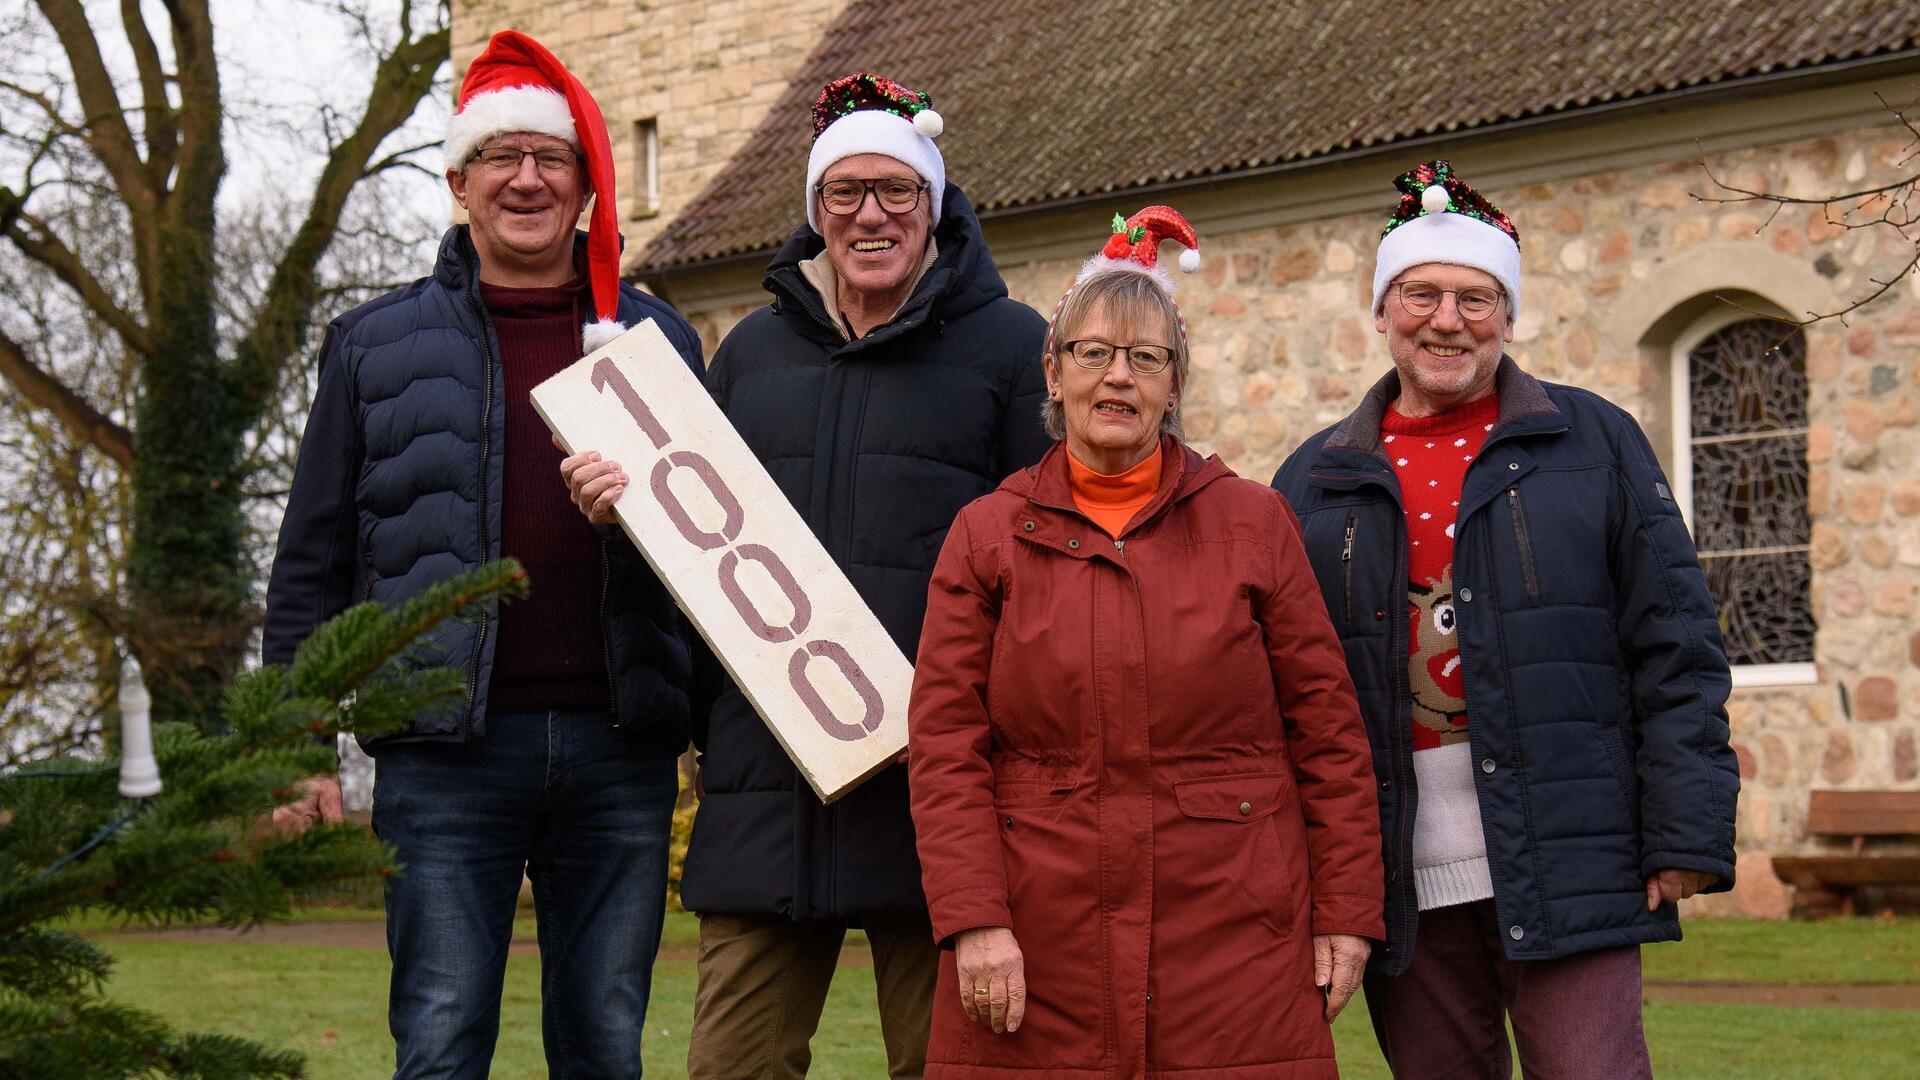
x=550, y=652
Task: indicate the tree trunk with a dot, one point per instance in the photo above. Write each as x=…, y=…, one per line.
x=187, y=582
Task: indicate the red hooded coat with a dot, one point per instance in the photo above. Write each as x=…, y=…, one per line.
x=1144, y=757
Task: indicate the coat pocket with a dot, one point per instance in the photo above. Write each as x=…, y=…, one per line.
x=1346, y=570
x=1017, y=792
x=1245, y=798
x=1235, y=841
x=1523, y=543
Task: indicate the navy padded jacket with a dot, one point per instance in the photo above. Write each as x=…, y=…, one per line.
x=398, y=488
x=1596, y=680
x=878, y=443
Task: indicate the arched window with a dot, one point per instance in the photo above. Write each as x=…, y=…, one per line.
x=1740, y=469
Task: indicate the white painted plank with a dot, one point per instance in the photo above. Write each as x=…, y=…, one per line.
x=805, y=649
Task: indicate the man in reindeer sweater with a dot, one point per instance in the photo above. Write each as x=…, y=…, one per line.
x=1539, y=664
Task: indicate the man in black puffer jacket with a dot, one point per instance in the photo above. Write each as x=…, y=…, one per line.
x=422, y=458
x=890, y=383
x=1537, y=659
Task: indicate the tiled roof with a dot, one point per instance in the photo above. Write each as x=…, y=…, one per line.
x=1051, y=99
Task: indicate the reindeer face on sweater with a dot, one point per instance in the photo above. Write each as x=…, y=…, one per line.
x=1439, y=690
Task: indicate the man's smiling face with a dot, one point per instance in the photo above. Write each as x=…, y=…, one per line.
x=1445, y=361
x=875, y=253
x=522, y=217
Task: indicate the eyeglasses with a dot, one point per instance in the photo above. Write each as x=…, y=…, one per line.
x=508, y=158
x=1422, y=298
x=1098, y=355
x=844, y=197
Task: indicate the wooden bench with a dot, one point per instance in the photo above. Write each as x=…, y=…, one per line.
x=1827, y=882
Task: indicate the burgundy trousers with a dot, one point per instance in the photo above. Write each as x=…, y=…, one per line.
x=1575, y=1018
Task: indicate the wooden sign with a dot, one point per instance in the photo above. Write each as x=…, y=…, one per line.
x=740, y=561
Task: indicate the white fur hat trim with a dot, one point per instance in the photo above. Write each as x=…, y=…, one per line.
x=498, y=112
x=1454, y=239
x=595, y=335
x=876, y=131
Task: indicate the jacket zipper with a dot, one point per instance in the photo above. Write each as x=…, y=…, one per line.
x=1516, y=510
x=606, y=639
x=1346, y=569
x=486, y=541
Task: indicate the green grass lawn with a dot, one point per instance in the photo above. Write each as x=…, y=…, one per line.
x=330, y=1003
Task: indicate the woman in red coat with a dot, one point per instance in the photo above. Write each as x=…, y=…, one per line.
x=1141, y=788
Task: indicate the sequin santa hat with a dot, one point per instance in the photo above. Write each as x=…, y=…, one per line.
x=1134, y=248
x=864, y=113
x=517, y=85
x=1439, y=219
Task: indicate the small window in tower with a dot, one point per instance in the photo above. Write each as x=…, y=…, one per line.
x=646, y=168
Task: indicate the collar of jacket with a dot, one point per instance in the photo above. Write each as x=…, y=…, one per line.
x=1052, y=520
x=963, y=278
x=1354, y=443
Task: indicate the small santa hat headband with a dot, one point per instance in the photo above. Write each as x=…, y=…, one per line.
x=864, y=113
x=1439, y=219
x=517, y=85
x=1134, y=248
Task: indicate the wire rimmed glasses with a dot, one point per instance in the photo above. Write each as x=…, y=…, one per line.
x=1097, y=355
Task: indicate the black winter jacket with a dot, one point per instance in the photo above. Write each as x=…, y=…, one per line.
x=878, y=442
x=1596, y=682
x=398, y=488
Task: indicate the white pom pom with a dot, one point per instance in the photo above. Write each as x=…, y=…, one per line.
x=1435, y=199
x=1190, y=260
x=596, y=335
x=928, y=123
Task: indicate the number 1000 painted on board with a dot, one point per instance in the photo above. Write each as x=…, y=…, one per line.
x=607, y=377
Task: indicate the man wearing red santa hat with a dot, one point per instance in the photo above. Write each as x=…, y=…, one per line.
x=422, y=458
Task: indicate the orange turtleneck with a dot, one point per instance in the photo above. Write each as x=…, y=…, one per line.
x=1111, y=501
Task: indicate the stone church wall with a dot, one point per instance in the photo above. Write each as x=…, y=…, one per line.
x=1616, y=265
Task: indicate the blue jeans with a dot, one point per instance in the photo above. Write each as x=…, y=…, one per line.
x=568, y=802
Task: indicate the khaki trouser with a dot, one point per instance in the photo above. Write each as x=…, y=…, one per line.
x=764, y=979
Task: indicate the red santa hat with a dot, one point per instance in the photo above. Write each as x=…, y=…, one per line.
x=1135, y=245
x=517, y=85
x=1134, y=248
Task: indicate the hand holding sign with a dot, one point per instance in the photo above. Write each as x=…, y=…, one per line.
x=813, y=660
x=593, y=483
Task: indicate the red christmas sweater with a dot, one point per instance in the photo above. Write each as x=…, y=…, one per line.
x=1430, y=457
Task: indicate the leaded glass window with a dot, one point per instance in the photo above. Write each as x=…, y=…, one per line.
x=1746, y=444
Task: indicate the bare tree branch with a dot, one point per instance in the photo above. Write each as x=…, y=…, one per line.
x=106, y=124
x=39, y=243
x=403, y=76
x=46, y=104
x=157, y=116
x=1883, y=206
x=83, y=420
x=200, y=162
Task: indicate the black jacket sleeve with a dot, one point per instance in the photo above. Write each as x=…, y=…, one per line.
x=1670, y=638
x=1023, y=437
x=316, y=564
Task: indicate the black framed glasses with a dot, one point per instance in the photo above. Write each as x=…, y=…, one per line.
x=842, y=198
x=508, y=158
x=1097, y=355
x=1422, y=298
